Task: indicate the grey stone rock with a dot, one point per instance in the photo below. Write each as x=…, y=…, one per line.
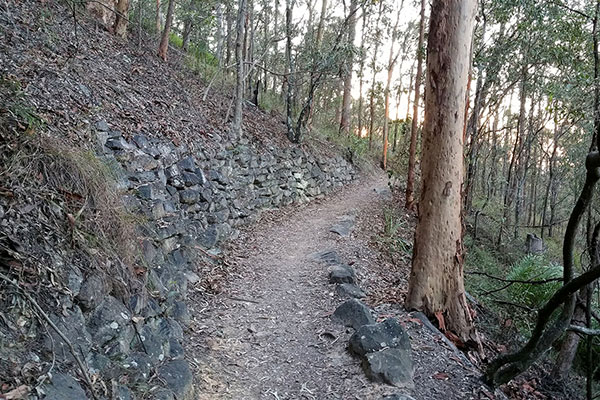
x=330, y=257
x=353, y=313
x=163, y=394
x=141, y=141
x=187, y=164
x=345, y=226
x=172, y=171
x=350, y=290
x=376, y=337
x=342, y=274
x=117, y=143
x=190, y=179
x=73, y=327
x=63, y=387
x=74, y=279
x=392, y=366
x=146, y=192
x=137, y=367
x=111, y=321
x=124, y=393
x=397, y=397
x=176, y=351
x=101, y=126
x=178, y=378
x=188, y=196
x=92, y=291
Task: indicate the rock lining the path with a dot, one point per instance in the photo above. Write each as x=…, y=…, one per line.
x=350, y=290
x=353, y=313
x=392, y=366
x=342, y=274
x=376, y=337
x=329, y=257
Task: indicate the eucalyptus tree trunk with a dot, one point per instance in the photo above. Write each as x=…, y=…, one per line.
x=374, y=70
x=390, y=70
x=158, y=17
x=436, y=284
x=361, y=72
x=164, y=40
x=236, y=125
x=219, y=34
x=412, y=152
x=120, y=26
x=229, y=19
x=349, y=65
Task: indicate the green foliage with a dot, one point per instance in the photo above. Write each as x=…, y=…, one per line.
x=175, y=40
x=534, y=268
x=398, y=247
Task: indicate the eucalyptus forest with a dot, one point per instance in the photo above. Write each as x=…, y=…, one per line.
x=299, y=199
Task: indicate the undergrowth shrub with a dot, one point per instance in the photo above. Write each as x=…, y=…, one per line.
x=534, y=268
x=394, y=239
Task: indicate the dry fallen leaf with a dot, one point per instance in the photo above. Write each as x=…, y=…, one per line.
x=16, y=394
x=441, y=376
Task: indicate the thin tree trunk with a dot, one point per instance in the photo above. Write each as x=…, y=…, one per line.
x=390, y=71
x=120, y=26
x=158, y=19
x=164, y=41
x=230, y=35
x=412, y=152
x=220, y=35
x=349, y=65
x=436, y=282
x=361, y=73
x=236, y=125
x=374, y=70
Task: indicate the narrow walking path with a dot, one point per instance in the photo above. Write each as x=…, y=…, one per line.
x=268, y=333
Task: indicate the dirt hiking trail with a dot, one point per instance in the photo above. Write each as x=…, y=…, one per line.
x=267, y=333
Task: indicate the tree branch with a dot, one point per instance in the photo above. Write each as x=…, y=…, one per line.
x=583, y=330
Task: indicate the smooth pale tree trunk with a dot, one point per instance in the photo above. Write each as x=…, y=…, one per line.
x=219, y=33
x=347, y=97
x=230, y=37
x=436, y=284
x=390, y=71
x=374, y=80
x=361, y=73
x=120, y=26
x=164, y=40
x=318, y=41
x=412, y=152
x=236, y=125
x=158, y=17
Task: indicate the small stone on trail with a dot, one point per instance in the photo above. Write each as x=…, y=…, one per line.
x=342, y=274
x=376, y=337
x=392, y=366
x=353, y=313
x=330, y=257
x=344, y=227
x=350, y=290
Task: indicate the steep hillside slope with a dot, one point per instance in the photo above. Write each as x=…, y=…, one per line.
x=117, y=186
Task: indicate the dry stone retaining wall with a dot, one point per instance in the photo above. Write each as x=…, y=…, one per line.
x=189, y=198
